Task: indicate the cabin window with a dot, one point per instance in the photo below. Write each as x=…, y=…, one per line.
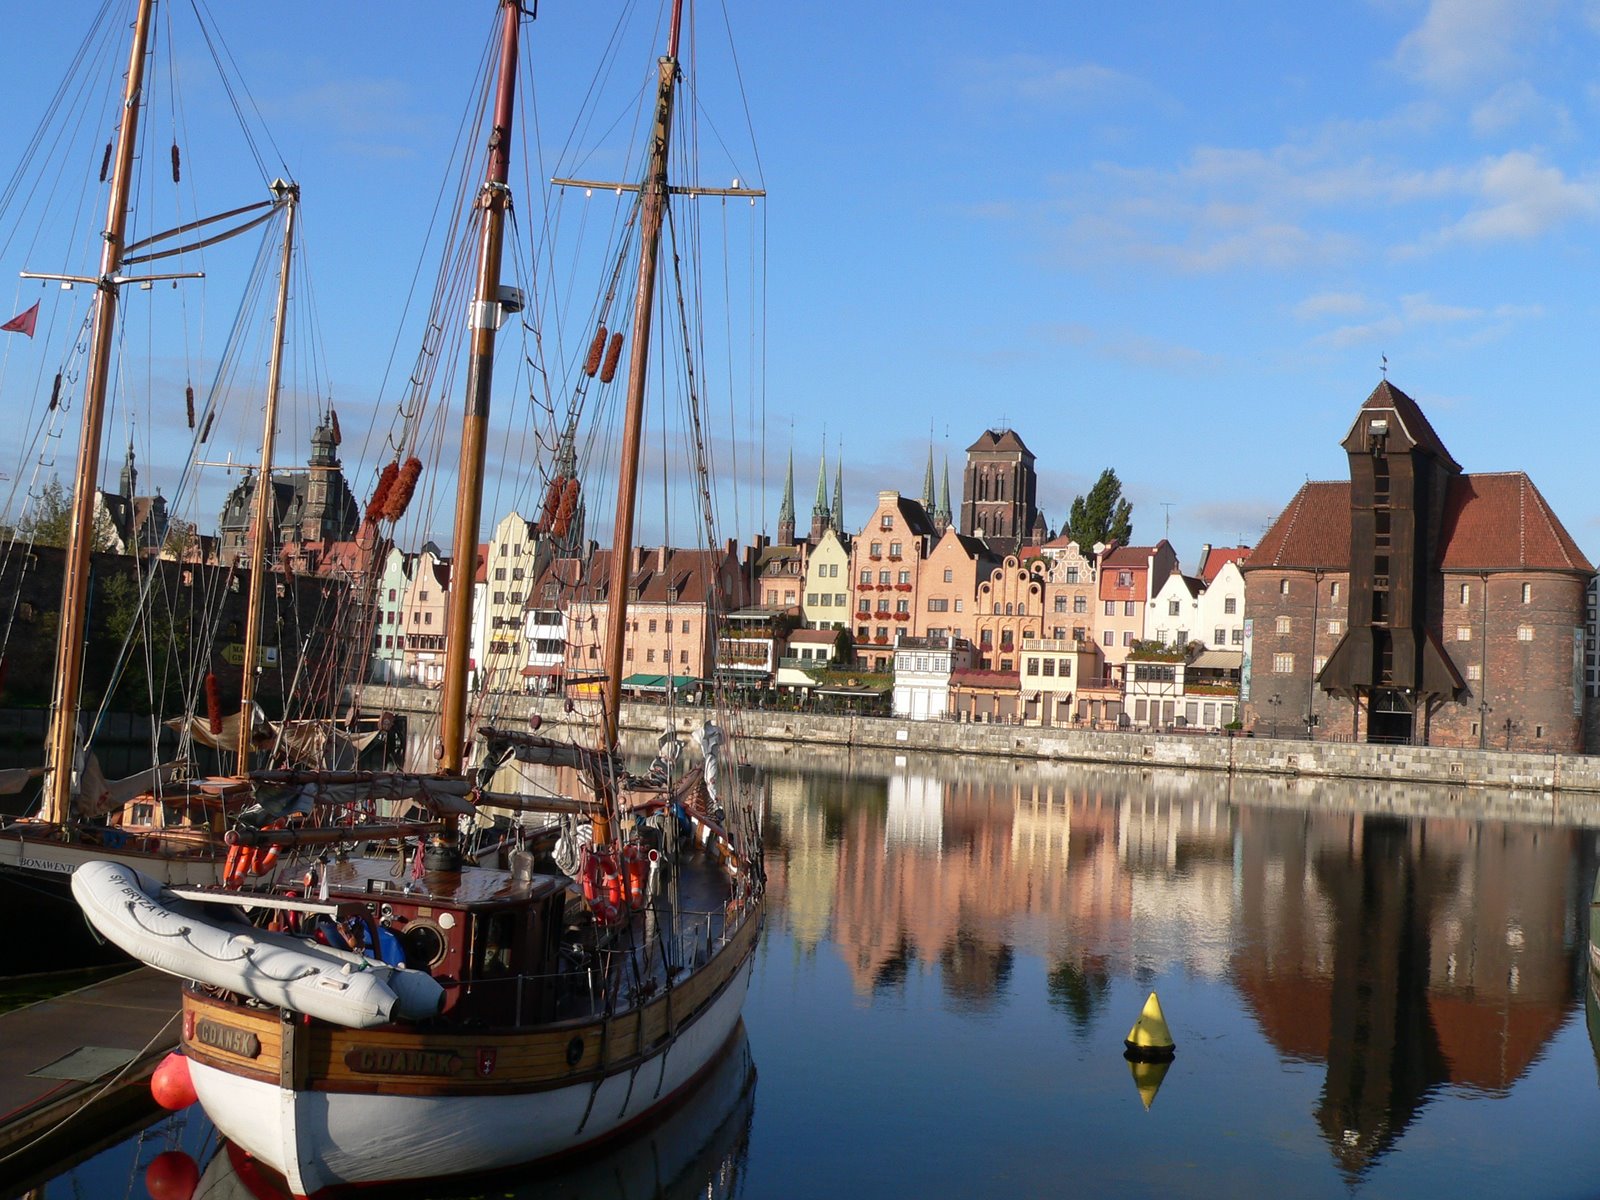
x=497, y=939
x=142, y=814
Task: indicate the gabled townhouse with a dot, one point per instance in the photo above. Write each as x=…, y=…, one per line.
x=948, y=588
x=388, y=624
x=826, y=594
x=886, y=562
x=512, y=566
x=1220, y=623
x=1071, y=594
x=1009, y=607
x=545, y=627
x=424, y=617
x=1172, y=614
x=1127, y=577
x=677, y=600
x=780, y=577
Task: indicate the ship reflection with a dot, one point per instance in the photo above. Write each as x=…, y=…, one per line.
x=698, y=1149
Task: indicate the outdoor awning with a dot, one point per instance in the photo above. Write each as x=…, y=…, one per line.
x=539, y=669
x=659, y=683
x=1217, y=660
x=841, y=690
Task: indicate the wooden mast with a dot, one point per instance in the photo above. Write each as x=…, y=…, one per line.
x=62, y=739
x=288, y=194
x=653, y=202
x=486, y=315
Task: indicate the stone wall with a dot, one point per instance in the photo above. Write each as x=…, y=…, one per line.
x=1242, y=756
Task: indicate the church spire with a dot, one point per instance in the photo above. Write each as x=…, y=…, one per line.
x=820, y=519
x=941, y=514
x=927, y=483
x=130, y=477
x=838, y=496
x=786, y=509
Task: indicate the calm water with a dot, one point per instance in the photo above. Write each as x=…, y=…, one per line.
x=1364, y=1004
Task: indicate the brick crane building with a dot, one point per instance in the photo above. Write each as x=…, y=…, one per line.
x=1417, y=603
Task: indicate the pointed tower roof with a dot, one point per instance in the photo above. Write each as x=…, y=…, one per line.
x=838, y=496
x=1412, y=428
x=927, y=482
x=820, y=508
x=942, y=512
x=786, y=508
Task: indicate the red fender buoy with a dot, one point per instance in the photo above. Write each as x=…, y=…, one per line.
x=171, y=1085
x=171, y=1175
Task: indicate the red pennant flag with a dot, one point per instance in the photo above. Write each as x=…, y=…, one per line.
x=22, y=322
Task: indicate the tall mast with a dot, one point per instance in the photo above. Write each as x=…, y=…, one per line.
x=288, y=194
x=80, y=536
x=485, y=319
x=653, y=202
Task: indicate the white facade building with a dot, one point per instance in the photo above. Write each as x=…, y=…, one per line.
x=922, y=670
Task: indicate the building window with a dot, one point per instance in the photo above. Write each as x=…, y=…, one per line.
x=1474, y=674
x=1524, y=632
x=1237, y=637
x=1032, y=668
x=1283, y=664
x=838, y=598
x=1127, y=637
x=949, y=575
x=1124, y=578
x=1463, y=633
x=1527, y=593
x=1110, y=638
x=649, y=656
x=876, y=550
x=1128, y=608
x=1111, y=608
x=902, y=606
x=894, y=549
x=905, y=577
x=1538, y=731
x=684, y=628
x=1080, y=604
x=866, y=577
x=887, y=522
x=866, y=605
x=1061, y=604
x=1466, y=593
x=1172, y=608
x=938, y=605
x=1072, y=574
x=959, y=604
x=1048, y=666
x=1283, y=624
x=1318, y=663
x=1230, y=605
x=1283, y=587
x=883, y=578
x=1219, y=637
x=1335, y=628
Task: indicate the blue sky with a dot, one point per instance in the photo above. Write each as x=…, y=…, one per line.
x=1168, y=238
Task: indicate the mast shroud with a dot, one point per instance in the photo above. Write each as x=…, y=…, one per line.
x=483, y=323
x=80, y=538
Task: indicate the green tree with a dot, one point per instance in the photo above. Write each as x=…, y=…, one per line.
x=1101, y=516
x=50, y=521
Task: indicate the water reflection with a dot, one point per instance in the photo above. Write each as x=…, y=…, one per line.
x=1400, y=956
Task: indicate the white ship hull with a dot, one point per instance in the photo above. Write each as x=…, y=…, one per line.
x=319, y=1140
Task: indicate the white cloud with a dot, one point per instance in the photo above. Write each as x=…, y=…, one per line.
x=1033, y=80
x=1418, y=310
x=1515, y=104
x=1522, y=197
x=1332, y=304
x=1462, y=42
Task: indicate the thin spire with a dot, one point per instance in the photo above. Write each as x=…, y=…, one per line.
x=942, y=513
x=927, y=482
x=786, y=509
x=820, y=519
x=838, y=495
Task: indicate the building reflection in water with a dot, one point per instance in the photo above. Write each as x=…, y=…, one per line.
x=1402, y=954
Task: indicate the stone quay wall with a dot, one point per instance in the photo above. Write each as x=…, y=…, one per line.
x=1244, y=756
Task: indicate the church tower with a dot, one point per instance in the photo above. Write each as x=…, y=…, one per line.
x=786, y=509
x=999, y=491
x=820, y=517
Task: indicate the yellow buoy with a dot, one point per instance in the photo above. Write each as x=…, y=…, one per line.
x=1147, y=1077
x=1149, y=1039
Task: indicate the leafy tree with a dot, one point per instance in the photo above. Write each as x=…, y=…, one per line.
x=1101, y=516
x=50, y=522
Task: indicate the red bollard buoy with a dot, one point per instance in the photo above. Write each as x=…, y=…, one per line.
x=171, y=1175
x=171, y=1085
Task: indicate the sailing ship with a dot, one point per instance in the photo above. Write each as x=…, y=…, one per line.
x=166, y=820
x=368, y=1022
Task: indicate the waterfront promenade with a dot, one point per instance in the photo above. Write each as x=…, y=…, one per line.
x=1562, y=787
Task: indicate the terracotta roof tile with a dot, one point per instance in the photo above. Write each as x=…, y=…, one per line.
x=1492, y=522
x=1501, y=522
x=1219, y=557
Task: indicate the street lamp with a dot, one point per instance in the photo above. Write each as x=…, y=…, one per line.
x=1311, y=721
